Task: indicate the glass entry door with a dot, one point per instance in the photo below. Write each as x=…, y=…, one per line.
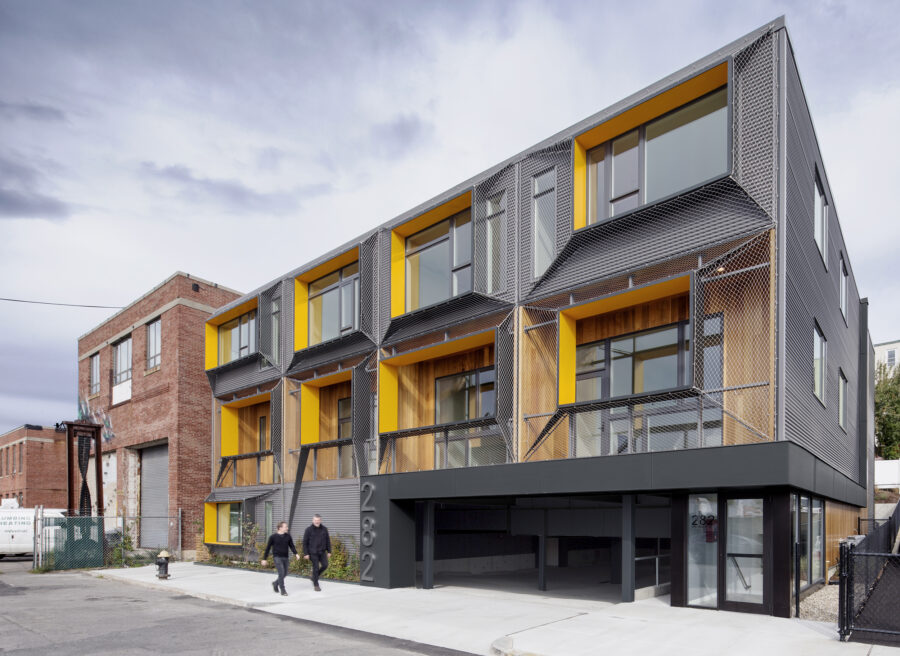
x=744, y=551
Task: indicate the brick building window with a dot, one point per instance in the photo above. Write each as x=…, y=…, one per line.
x=21, y=458
x=95, y=374
x=122, y=352
x=154, y=345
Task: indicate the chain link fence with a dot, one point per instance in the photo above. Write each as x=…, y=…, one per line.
x=870, y=586
x=62, y=543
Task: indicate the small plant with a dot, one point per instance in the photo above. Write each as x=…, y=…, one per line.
x=249, y=545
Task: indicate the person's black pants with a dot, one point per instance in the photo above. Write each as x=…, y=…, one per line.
x=318, y=563
x=281, y=566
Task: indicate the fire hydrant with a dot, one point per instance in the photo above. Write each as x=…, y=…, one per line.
x=162, y=565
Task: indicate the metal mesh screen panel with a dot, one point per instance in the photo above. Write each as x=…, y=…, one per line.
x=538, y=362
x=383, y=283
x=453, y=331
x=505, y=385
x=264, y=324
x=755, y=126
x=495, y=235
x=276, y=422
x=368, y=268
x=364, y=390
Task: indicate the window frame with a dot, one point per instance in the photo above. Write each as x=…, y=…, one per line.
x=94, y=374
x=603, y=213
x=252, y=346
x=891, y=354
x=450, y=237
x=820, y=200
x=351, y=280
x=844, y=287
x=535, y=196
x=843, y=389
x=343, y=420
x=124, y=375
x=154, y=330
x=817, y=331
x=477, y=372
x=275, y=328
x=490, y=275
x=240, y=528
x=684, y=369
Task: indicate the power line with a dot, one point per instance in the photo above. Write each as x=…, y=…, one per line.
x=105, y=307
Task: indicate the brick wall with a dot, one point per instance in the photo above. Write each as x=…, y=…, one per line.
x=41, y=477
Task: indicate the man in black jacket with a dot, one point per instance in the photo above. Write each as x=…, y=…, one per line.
x=317, y=549
x=279, y=543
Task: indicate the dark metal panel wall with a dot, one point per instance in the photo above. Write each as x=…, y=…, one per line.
x=266, y=347
x=812, y=295
x=368, y=288
x=275, y=422
x=287, y=322
x=250, y=374
x=364, y=389
x=338, y=504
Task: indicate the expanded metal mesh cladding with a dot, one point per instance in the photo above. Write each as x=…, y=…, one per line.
x=495, y=235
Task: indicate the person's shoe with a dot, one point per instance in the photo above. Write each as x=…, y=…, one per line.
x=275, y=587
x=317, y=588
x=283, y=593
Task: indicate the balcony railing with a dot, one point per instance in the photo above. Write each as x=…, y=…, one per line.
x=247, y=469
x=448, y=446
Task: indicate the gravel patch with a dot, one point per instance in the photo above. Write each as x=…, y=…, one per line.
x=822, y=605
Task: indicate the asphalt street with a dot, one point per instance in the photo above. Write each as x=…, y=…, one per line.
x=73, y=613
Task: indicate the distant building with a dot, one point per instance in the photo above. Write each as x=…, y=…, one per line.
x=887, y=353
x=33, y=466
x=141, y=376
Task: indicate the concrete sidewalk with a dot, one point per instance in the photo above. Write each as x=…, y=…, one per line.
x=491, y=622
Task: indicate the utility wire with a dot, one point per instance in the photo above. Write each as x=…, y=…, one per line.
x=105, y=307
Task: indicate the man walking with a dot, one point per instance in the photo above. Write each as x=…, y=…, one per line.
x=316, y=549
x=279, y=543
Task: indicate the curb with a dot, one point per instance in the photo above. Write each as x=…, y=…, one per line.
x=164, y=588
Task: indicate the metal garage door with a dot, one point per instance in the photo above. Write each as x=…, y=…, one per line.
x=155, y=497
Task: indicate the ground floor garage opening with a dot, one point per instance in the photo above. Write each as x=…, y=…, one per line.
x=567, y=546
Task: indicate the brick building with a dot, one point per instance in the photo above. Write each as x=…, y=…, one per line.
x=33, y=466
x=141, y=376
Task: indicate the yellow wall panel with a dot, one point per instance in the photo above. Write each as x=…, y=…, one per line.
x=301, y=315
x=212, y=346
x=398, y=274
x=309, y=414
x=388, y=398
x=209, y=522
x=580, y=186
x=229, y=431
x=567, y=360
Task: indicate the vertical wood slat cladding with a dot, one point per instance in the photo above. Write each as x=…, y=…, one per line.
x=744, y=301
x=291, y=429
x=841, y=520
x=653, y=314
x=248, y=426
x=538, y=366
x=328, y=409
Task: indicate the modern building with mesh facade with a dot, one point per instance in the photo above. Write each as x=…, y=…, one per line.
x=631, y=360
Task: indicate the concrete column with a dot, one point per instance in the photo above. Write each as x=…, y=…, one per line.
x=428, y=538
x=627, y=547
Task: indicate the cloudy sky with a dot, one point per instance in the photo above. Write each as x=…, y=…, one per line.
x=137, y=138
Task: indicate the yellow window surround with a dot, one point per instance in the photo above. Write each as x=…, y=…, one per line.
x=301, y=293
x=568, y=319
x=210, y=524
x=309, y=403
x=212, y=329
x=660, y=104
x=230, y=425
x=398, y=244
x=388, y=375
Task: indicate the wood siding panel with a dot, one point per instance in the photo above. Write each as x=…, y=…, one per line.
x=841, y=520
x=645, y=316
x=328, y=409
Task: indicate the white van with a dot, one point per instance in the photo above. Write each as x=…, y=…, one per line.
x=17, y=528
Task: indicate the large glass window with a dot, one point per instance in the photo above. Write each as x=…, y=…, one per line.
x=95, y=374
x=154, y=345
x=237, y=338
x=808, y=519
x=639, y=363
x=495, y=238
x=820, y=219
x=819, y=353
x=817, y=540
x=544, y=217
x=891, y=358
x=684, y=148
x=334, y=304
x=122, y=357
x=228, y=522
x=345, y=419
x=465, y=396
x=702, y=547
x=439, y=262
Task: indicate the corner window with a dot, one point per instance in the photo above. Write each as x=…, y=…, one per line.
x=228, y=523
x=819, y=350
x=464, y=396
x=684, y=148
x=495, y=237
x=154, y=346
x=544, y=217
x=844, y=287
x=95, y=374
x=820, y=220
x=237, y=338
x=345, y=419
x=842, y=400
x=334, y=304
x=439, y=262
x=122, y=358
